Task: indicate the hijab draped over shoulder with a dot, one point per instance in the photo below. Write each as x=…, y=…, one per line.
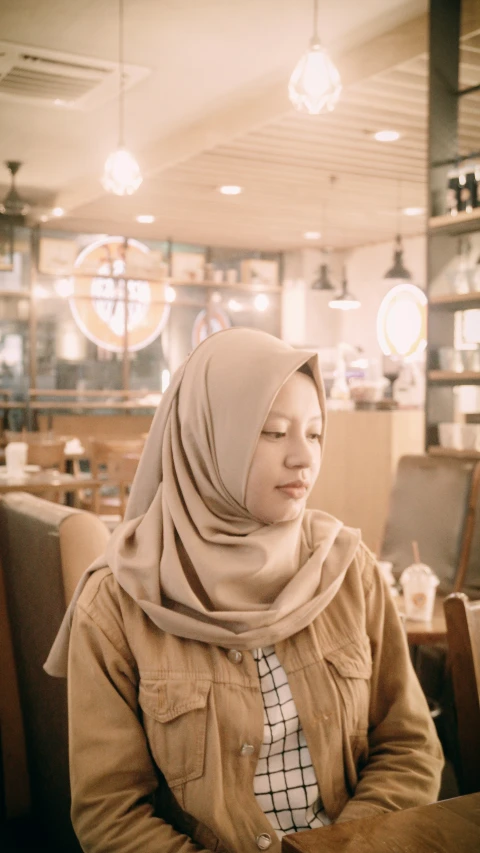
x=189, y=552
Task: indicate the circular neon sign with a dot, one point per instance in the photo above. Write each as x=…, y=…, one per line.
x=402, y=321
x=110, y=281
x=205, y=325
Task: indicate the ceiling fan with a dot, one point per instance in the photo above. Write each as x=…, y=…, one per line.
x=13, y=205
x=16, y=210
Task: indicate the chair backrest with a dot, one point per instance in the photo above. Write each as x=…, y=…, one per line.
x=463, y=634
x=47, y=454
x=121, y=469
x=101, y=450
x=44, y=449
x=44, y=548
x=429, y=504
x=468, y=580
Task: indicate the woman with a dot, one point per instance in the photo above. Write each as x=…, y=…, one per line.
x=236, y=667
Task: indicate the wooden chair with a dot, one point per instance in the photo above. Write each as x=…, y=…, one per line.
x=44, y=449
x=47, y=454
x=433, y=501
x=105, y=456
x=468, y=575
x=463, y=632
x=121, y=469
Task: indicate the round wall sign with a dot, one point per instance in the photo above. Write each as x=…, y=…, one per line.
x=110, y=269
x=402, y=321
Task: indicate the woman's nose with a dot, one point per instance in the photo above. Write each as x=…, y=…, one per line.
x=299, y=454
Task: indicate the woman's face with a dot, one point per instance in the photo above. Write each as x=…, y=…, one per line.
x=287, y=458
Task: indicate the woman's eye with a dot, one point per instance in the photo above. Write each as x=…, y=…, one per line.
x=315, y=436
x=272, y=434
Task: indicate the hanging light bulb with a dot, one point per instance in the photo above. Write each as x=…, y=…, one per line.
x=121, y=174
x=344, y=301
x=315, y=84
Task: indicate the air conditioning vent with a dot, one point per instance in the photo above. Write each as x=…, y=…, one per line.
x=52, y=79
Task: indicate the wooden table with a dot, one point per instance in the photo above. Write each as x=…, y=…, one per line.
x=426, y=633
x=452, y=826
x=50, y=483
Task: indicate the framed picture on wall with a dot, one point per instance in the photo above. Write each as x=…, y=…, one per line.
x=6, y=245
x=188, y=266
x=258, y=271
x=57, y=257
x=149, y=265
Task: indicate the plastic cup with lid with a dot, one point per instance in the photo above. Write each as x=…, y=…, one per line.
x=419, y=586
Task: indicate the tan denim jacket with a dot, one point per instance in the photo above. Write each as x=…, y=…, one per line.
x=157, y=723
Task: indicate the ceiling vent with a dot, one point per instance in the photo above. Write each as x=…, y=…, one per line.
x=52, y=79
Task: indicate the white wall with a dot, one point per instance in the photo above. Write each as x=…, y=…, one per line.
x=307, y=318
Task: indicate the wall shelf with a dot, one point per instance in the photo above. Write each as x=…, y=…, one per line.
x=444, y=403
x=459, y=224
x=451, y=377
x=454, y=301
x=248, y=287
x=435, y=450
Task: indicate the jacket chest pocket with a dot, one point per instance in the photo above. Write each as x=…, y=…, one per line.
x=351, y=669
x=175, y=720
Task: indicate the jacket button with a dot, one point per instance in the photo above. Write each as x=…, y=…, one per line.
x=247, y=749
x=235, y=656
x=263, y=841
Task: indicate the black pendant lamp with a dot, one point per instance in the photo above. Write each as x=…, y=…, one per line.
x=323, y=280
x=398, y=271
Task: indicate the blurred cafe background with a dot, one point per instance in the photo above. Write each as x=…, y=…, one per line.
x=171, y=168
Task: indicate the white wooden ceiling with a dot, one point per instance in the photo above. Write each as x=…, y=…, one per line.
x=237, y=127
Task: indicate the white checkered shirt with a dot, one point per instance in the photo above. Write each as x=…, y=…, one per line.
x=285, y=786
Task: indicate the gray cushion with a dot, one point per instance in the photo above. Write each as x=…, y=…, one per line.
x=429, y=504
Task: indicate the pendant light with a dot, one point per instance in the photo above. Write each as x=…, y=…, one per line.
x=344, y=300
x=315, y=84
x=323, y=280
x=398, y=272
x=121, y=174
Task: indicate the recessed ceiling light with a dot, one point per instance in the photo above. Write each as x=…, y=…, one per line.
x=231, y=189
x=386, y=135
x=58, y=211
x=145, y=218
x=312, y=235
x=413, y=211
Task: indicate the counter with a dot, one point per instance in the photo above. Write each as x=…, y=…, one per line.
x=360, y=459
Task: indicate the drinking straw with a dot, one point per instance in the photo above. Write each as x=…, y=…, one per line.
x=416, y=553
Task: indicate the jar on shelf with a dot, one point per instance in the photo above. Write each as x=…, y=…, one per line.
x=460, y=272
x=475, y=276
x=451, y=197
x=467, y=186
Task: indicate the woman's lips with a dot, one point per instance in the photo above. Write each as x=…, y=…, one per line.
x=295, y=490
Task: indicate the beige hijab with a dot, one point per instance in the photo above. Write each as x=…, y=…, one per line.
x=189, y=553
